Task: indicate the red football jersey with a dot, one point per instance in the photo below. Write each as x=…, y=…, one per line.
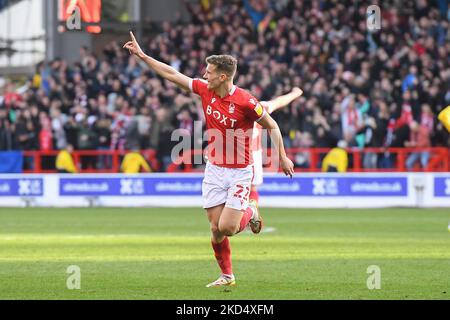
x=229, y=124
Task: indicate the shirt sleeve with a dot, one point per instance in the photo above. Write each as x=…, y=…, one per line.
x=198, y=86
x=255, y=109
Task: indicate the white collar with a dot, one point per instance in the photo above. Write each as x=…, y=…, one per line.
x=233, y=89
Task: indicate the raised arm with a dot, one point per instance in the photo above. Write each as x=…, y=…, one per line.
x=268, y=123
x=284, y=100
x=162, y=69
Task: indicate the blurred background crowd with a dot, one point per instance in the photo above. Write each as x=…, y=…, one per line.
x=361, y=89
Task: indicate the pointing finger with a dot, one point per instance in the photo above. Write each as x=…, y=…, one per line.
x=132, y=36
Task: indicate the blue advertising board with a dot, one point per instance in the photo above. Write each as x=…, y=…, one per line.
x=352, y=186
x=442, y=186
x=335, y=186
x=131, y=186
x=21, y=187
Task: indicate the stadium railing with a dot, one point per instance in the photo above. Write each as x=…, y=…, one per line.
x=36, y=161
x=310, y=160
x=385, y=159
x=305, y=160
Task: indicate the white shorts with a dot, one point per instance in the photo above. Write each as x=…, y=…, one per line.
x=227, y=185
x=257, y=164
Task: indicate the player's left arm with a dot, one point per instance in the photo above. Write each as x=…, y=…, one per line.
x=282, y=101
x=267, y=122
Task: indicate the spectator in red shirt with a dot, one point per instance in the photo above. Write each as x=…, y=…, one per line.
x=46, y=136
x=11, y=97
x=46, y=141
x=419, y=138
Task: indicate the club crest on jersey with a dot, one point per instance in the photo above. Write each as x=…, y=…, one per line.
x=252, y=101
x=231, y=108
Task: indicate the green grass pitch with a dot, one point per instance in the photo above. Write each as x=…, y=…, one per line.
x=156, y=253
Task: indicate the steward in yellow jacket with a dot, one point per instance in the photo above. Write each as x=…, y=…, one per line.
x=133, y=162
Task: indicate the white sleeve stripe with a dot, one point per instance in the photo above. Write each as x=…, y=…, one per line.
x=190, y=84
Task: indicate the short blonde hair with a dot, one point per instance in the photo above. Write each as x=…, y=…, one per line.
x=223, y=63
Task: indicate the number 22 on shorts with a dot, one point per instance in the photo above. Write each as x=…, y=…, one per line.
x=242, y=192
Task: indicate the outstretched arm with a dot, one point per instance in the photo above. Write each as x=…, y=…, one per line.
x=268, y=123
x=284, y=100
x=162, y=69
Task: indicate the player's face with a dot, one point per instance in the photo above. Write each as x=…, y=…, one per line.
x=213, y=77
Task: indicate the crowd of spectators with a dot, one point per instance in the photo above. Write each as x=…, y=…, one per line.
x=361, y=88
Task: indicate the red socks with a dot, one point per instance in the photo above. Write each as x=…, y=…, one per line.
x=248, y=213
x=254, y=195
x=222, y=251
